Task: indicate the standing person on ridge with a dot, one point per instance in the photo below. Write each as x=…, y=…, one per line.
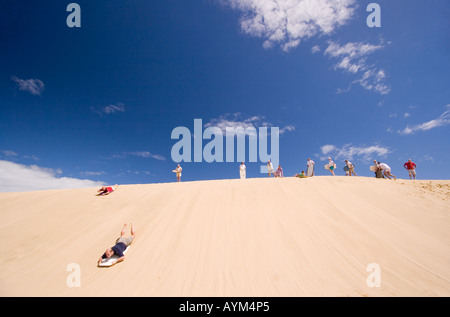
x=242, y=170
x=411, y=168
x=270, y=168
x=178, y=171
x=310, y=168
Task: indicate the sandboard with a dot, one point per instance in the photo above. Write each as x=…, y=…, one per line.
x=310, y=171
x=373, y=168
x=346, y=168
x=111, y=261
x=174, y=171
x=327, y=166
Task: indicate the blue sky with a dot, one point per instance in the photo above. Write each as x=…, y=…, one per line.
x=97, y=104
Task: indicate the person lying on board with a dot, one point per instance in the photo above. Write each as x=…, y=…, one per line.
x=302, y=175
x=106, y=190
x=121, y=245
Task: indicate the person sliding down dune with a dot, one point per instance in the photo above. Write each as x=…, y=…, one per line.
x=301, y=175
x=121, y=245
x=106, y=190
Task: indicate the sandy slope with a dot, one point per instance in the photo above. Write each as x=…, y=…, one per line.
x=255, y=237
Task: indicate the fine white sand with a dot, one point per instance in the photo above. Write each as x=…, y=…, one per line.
x=253, y=237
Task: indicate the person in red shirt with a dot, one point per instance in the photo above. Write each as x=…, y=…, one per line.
x=411, y=168
x=106, y=190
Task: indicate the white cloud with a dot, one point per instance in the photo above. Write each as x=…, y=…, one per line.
x=21, y=178
x=348, y=151
x=287, y=129
x=351, y=50
x=288, y=22
x=118, y=107
x=373, y=80
x=315, y=49
x=327, y=148
x=443, y=120
x=348, y=66
x=395, y=115
x=353, y=59
x=33, y=86
x=235, y=121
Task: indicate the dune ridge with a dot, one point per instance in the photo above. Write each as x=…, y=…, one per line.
x=252, y=237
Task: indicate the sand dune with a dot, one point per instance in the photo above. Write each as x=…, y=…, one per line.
x=253, y=237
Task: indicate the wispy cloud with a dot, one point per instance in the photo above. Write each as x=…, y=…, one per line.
x=8, y=153
x=443, y=120
x=143, y=154
x=90, y=173
x=287, y=128
x=21, y=178
x=349, y=151
x=287, y=23
x=315, y=49
x=33, y=86
x=12, y=155
x=353, y=59
x=352, y=50
x=109, y=109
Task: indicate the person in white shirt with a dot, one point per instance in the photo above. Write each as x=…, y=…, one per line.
x=270, y=168
x=331, y=166
x=351, y=168
x=310, y=167
x=386, y=170
x=242, y=170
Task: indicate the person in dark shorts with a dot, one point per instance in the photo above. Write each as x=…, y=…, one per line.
x=121, y=245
